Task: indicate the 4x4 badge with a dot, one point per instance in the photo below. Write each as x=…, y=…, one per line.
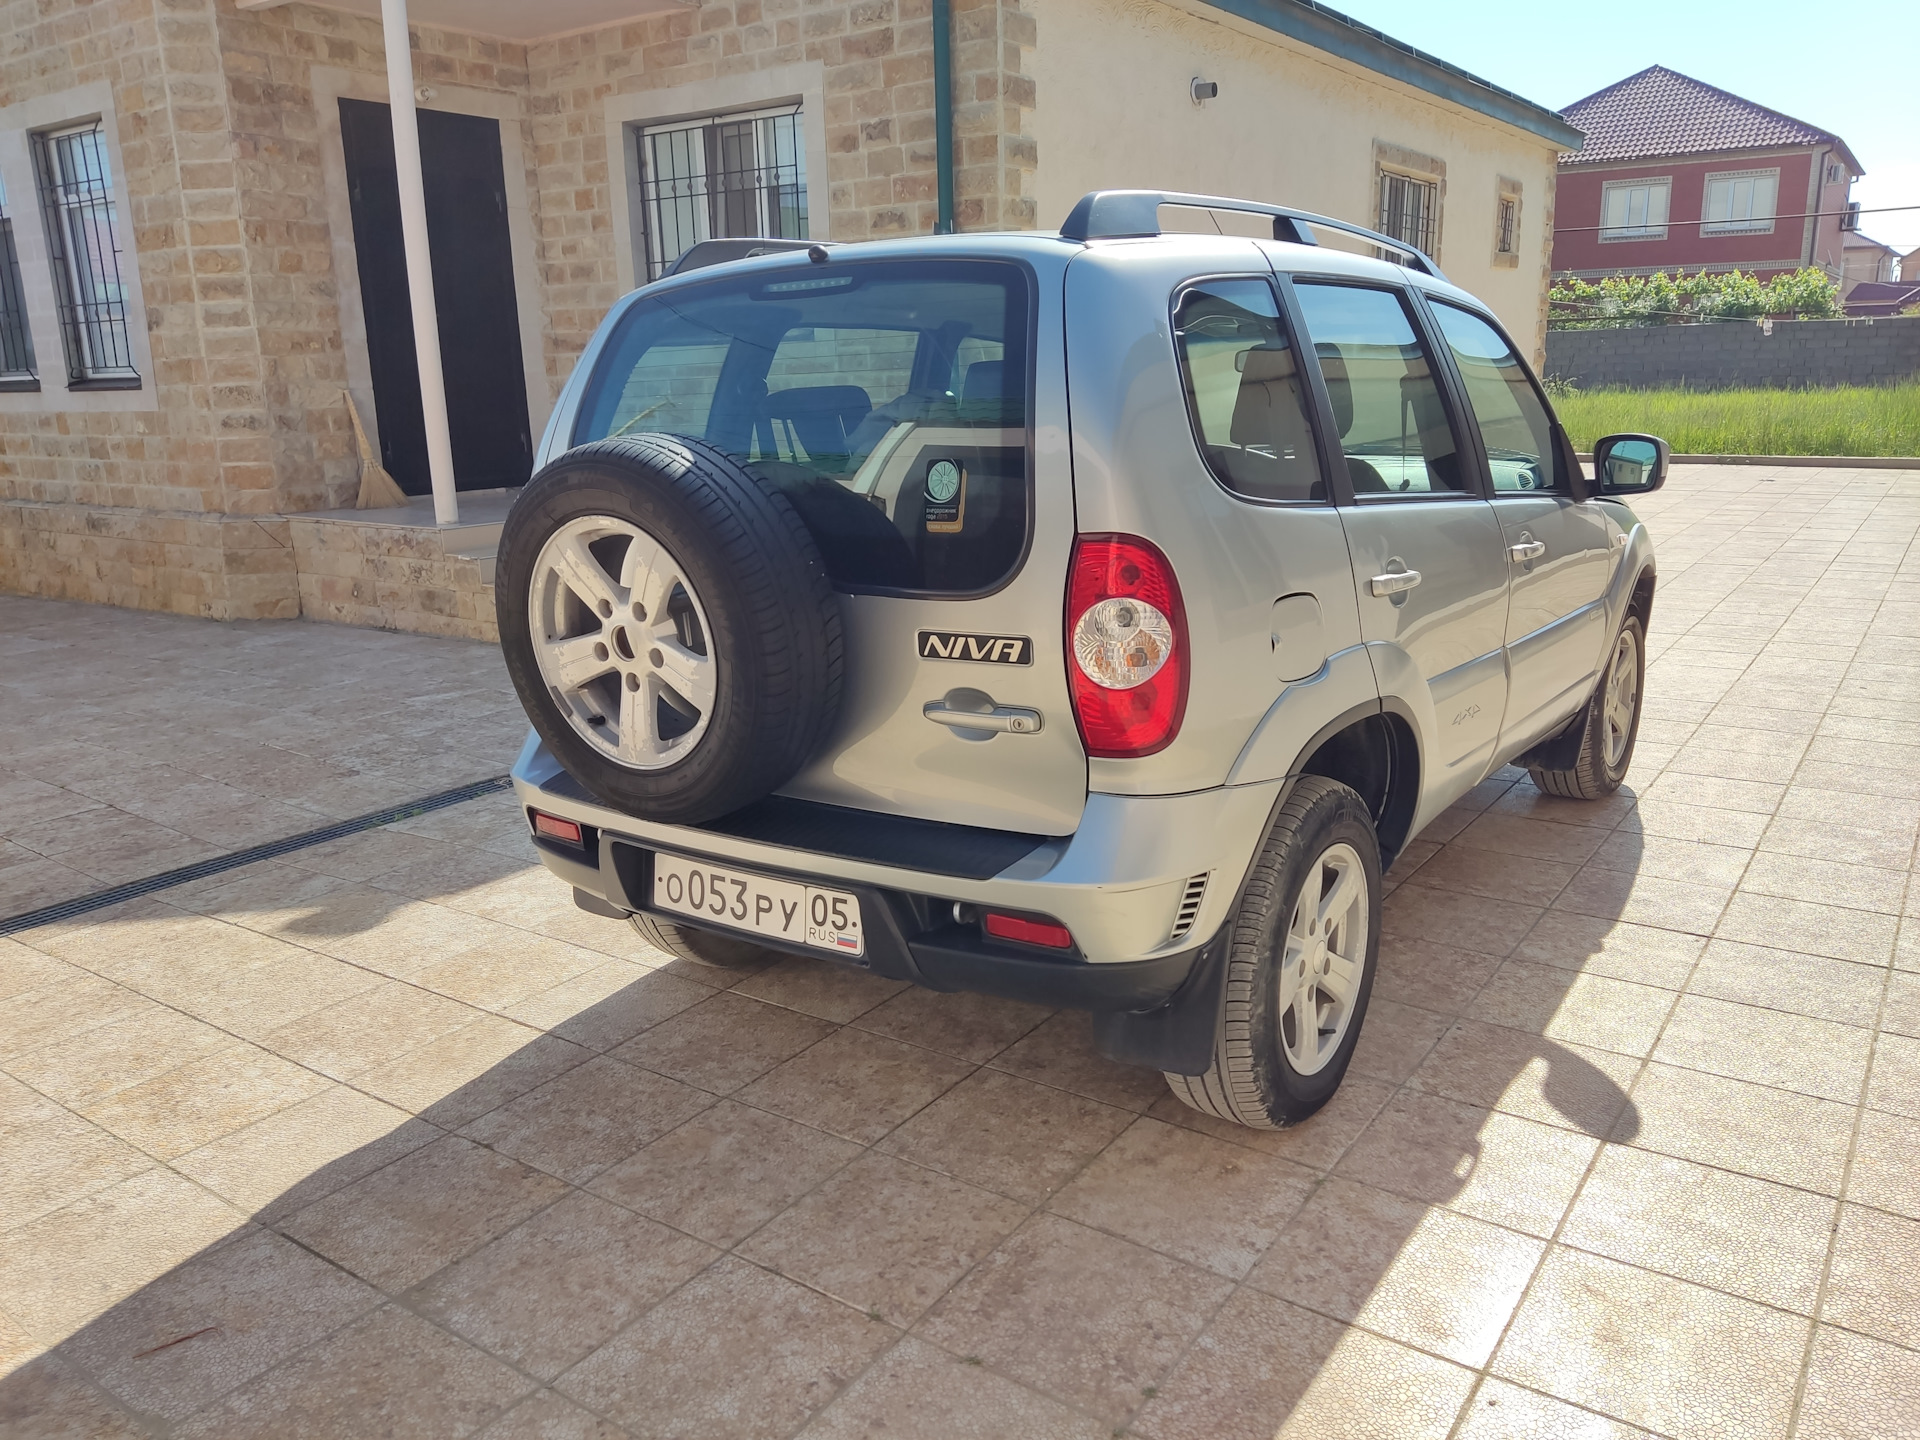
x=986, y=649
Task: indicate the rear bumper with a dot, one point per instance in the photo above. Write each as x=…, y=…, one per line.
x=1117, y=883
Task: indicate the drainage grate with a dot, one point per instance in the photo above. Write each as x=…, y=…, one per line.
x=201, y=869
x=1189, y=907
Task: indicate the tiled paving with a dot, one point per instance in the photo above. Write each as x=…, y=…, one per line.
x=136, y=742
x=388, y=1139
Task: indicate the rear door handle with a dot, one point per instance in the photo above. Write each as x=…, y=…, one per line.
x=1527, y=550
x=1004, y=719
x=1394, y=583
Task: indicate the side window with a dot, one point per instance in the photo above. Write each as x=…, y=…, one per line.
x=1244, y=389
x=1386, y=398
x=1513, y=420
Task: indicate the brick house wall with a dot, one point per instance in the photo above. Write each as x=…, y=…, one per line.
x=1803, y=187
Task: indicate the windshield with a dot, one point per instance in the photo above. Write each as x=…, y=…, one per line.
x=887, y=400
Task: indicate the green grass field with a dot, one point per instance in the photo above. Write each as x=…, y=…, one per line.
x=1855, y=420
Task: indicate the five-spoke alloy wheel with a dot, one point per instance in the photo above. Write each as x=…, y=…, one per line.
x=622, y=642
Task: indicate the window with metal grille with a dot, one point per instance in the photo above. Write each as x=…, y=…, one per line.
x=1506, y=236
x=1409, y=209
x=743, y=174
x=16, y=340
x=83, y=244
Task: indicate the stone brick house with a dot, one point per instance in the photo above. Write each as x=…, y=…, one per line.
x=200, y=250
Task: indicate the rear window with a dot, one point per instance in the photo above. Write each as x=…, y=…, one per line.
x=887, y=400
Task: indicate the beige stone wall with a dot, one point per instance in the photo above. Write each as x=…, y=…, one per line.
x=388, y=578
x=876, y=58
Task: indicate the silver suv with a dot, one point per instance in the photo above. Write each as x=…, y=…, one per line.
x=1088, y=618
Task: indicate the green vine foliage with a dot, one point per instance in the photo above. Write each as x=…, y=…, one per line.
x=1683, y=299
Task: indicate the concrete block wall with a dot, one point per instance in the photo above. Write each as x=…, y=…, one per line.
x=1797, y=354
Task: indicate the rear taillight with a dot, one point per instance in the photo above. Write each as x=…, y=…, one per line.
x=1127, y=642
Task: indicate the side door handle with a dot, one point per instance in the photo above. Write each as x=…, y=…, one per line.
x=1001, y=719
x=1395, y=582
x=1527, y=550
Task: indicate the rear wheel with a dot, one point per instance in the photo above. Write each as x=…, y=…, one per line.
x=702, y=947
x=1300, y=967
x=1590, y=761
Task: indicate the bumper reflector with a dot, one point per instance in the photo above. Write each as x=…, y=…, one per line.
x=1031, y=932
x=567, y=832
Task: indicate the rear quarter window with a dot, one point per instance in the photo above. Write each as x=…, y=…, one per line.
x=887, y=400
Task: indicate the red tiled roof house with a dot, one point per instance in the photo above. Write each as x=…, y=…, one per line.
x=1678, y=174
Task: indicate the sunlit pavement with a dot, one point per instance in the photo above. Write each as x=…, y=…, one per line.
x=386, y=1138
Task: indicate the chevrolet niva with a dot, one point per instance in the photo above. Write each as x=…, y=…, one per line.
x=1086, y=618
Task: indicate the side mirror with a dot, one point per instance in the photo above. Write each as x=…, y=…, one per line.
x=1630, y=464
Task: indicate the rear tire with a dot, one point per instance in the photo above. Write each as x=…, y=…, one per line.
x=1590, y=760
x=702, y=947
x=1304, y=942
x=669, y=625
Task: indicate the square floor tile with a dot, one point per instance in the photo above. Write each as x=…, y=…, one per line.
x=1729, y=1232
x=972, y=1027
x=738, y=1353
x=1266, y=1370
x=1394, y=1040
x=1596, y=945
x=1086, y=1317
x=725, y=1172
x=819, y=988
x=1837, y=990
x=426, y=1209
x=1872, y=1286
x=1529, y=1075
x=1060, y=1053
x=856, y=1084
x=724, y=1042
x=1767, y=1047
x=918, y=1390
x=885, y=1236
x=1187, y=1195
x=1752, y=1129
x=554, y=1289
x=1895, y=1080
x=1477, y=1162
x=1858, y=1388
x=1506, y=1412
x=1579, y=1009
x=594, y=1115
x=1653, y=1351
x=178, y=1344
x=1829, y=930
x=1886, y=1164
x=1439, y=1281
x=391, y=1373
x=1431, y=977
x=1010, y=1135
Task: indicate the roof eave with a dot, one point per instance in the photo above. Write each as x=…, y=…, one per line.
x=1314, y=24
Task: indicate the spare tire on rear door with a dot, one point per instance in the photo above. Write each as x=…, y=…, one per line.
x=669, y=625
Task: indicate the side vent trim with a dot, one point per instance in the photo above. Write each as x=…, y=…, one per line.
x=1189, y=911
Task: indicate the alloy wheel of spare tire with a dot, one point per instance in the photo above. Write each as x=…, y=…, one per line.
x=669, y=625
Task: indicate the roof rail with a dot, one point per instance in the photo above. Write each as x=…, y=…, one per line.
x=1114, y=214
x=718, y=252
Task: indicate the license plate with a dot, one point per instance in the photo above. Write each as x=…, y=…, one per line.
x=779, y=909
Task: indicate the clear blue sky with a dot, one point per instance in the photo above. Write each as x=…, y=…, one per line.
x=1848, y=68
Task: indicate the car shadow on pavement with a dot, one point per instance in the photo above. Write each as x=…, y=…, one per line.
x=744, y=1204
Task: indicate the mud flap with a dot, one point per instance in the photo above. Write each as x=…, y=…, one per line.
x=1180, y=1035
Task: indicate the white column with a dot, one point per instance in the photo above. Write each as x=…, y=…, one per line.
x=413, y=233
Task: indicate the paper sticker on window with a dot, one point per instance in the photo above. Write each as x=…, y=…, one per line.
x=946, y=510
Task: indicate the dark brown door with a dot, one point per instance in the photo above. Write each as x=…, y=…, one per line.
x=473, y=288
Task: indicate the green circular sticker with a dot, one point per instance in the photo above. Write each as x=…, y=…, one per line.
x=943, y=481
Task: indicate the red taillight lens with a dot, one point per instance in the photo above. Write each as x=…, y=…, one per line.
x=1030, y=932
x=1127, y=646
x=554, y=828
